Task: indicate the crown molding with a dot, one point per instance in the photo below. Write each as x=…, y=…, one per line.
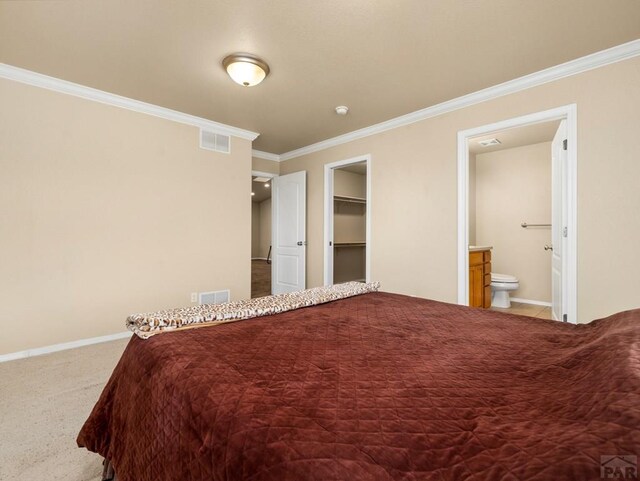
x=62, y=86
x=589, y=62
x=265, y=155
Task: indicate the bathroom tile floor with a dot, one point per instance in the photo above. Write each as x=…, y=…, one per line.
x=531, y=310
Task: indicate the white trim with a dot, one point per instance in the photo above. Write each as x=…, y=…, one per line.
x=615, y=54
x=257, y=173
x=589, y=62
x=265, y=155
x=63, y=347
x=328, y=226
x=568, y=112
x=529, y=301
x=328, y=215
x=258, y=258
x=62, y=86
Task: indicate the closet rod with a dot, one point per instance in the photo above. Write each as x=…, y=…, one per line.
x=524, y=225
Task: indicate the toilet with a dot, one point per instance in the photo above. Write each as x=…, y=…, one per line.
x=501, y=285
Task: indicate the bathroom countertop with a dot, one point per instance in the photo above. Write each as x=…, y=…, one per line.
x=480, y=248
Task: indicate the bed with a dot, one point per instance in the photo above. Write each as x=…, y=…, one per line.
x=377, y=386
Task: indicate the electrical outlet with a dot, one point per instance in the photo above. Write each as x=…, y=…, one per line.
x=194, y=297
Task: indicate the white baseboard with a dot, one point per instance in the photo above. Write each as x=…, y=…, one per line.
x=529, y=301
x=12, y=356
x=258, y=258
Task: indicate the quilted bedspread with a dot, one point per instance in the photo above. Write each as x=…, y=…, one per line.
x=374, y=387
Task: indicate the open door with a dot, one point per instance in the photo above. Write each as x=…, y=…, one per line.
x=288, y=267
x=558, y=221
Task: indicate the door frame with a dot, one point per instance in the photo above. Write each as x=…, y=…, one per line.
x=328, y=216
x=570, y=271
x=258, y=173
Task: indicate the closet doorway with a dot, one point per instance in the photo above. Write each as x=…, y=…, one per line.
x=347, y=232
x=261, y=188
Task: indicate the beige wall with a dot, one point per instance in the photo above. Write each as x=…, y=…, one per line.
x=265, y=227
x=349, y=219
x=260, y=228
x=472, y=199
x=349, y=184
x=349, y=264
x=414, y=196
x=105, y=212
x=514, y=186
x=349, y=222
x=262, y=165
x=255, y=229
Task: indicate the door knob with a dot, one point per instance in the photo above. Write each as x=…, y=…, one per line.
x=302, y=243
x=548, y=247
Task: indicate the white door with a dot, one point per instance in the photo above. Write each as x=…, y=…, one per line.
x=558, y=220
x=289, y=233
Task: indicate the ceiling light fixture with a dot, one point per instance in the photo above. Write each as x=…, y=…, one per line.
x=342, y=110
x=253, y=193
x=245, y=69
x=266, y=185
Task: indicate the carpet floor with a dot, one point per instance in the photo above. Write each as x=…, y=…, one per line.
x=44, y=401
x=260, y=278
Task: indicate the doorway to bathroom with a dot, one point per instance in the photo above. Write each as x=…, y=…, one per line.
x=517, y=215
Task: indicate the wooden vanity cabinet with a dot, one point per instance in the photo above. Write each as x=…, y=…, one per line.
x=480, y=279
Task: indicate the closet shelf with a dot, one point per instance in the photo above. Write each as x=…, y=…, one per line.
x=349, y=244
x=345, y=198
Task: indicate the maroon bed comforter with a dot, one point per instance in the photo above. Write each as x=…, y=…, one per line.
x=375, y=387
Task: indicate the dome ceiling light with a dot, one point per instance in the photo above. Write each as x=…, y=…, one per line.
x=245, y=69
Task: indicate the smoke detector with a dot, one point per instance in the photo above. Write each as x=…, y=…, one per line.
x=342, y=110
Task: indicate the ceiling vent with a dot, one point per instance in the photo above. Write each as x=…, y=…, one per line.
x=489, y=142
x=215, y=142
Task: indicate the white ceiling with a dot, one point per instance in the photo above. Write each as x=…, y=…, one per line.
x=381, y=58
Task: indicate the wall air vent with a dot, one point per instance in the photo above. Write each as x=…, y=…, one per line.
x=213, y=297
x=216, y=142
